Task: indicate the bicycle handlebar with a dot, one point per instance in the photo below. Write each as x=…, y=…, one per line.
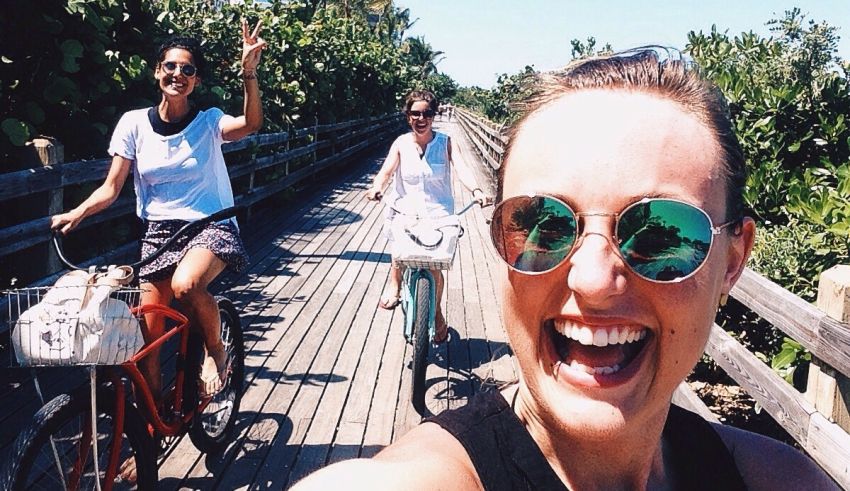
x=215, y=217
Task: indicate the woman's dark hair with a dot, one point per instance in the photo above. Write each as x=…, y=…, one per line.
x=652, y=70
x=191, y=45
x=421, y=95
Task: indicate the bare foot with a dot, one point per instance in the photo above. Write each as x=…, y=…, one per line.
x=214, y=370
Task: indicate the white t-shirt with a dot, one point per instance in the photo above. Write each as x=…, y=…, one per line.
x=177, y=177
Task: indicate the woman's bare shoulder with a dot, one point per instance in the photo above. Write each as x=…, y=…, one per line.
x=426, y=458
x=766, y=463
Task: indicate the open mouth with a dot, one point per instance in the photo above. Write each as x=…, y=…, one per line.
x=598, y=351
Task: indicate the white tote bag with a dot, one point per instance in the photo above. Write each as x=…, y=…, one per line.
x=77, y=322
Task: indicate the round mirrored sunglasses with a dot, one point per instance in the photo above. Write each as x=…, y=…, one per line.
x=661, y=240
x=186, y=69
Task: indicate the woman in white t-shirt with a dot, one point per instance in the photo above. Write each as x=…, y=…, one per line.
x=174, y=152
x=419, y=164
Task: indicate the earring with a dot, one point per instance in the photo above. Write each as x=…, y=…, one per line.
x=724, y=298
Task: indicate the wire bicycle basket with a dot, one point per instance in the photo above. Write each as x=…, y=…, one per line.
x=72, y=325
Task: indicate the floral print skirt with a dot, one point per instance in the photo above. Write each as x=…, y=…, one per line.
x=221, y=238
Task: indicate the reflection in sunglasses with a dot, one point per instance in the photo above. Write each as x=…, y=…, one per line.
x=662, y=240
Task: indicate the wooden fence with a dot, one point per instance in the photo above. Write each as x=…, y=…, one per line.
x=818, y=419
x=284, y=159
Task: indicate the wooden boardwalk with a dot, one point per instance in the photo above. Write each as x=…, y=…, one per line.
x=326, y=368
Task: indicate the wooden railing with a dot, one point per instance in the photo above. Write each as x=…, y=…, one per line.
x=488, y=138
x=292, y=156
x=818, y=420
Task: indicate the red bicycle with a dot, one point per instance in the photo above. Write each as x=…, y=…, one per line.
x=68, y=446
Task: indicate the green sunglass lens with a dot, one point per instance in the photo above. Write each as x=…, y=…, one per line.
x=664, y=240
x=533, y=234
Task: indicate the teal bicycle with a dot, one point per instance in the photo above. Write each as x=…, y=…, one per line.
x=422, y=244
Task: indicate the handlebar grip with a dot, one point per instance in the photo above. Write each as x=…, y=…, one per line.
x=222, y=214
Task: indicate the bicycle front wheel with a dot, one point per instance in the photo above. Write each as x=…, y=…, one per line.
x=421, y=316
x=211, y=429
x=56, y=451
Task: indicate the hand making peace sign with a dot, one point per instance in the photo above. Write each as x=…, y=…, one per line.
x=252, y=46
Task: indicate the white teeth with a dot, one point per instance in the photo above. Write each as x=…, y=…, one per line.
x=598, y=337
x=575, y=365
x=585, y=336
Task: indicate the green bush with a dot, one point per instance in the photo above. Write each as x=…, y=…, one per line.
x=86, y=62
x=69, y=69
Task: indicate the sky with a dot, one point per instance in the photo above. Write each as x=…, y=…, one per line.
x=484, y=38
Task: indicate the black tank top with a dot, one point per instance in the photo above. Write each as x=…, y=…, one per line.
x=506, y=457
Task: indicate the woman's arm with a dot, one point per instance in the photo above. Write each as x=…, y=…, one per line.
x=99, y=200
x=426, y=458
x=464, y=174
x=252, y=120
x=382, y=178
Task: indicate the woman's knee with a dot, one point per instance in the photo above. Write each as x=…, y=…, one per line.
x=186, y=286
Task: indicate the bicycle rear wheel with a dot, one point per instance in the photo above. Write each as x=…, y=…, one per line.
x=211, y=430
x=419, y=362
x=55, y=452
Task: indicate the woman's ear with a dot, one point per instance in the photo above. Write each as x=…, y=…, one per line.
x=740, y=246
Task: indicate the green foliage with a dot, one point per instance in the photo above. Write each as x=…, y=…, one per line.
x=789, y=98
x=443, y=86
x=87, y=62
x=789, y=358
x=789, y=101
x=586, y=49
x=497, y=104
x=68, y=69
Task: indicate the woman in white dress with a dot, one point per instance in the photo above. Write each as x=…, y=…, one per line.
x=420, y=164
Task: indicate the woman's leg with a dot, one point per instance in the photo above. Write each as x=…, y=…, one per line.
x=158, y=292
x=439, y=319
x=194, y=273
x=390, y=299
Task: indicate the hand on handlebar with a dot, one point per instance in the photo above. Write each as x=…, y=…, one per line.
x=481, y=198
x=65, y=222
x=374, y=194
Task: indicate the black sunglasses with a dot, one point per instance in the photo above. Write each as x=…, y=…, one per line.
x=186, y=69
x=661, y=240
x=420, y=114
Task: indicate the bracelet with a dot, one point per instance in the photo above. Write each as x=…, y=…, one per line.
x=249, y=75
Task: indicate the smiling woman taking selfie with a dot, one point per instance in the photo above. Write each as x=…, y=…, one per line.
x=621, y=227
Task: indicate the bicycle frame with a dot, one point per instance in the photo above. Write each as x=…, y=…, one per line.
x=129, y=370
x=143, y=394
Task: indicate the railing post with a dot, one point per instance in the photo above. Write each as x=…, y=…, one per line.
x=47, y=151
x=315, y=137
x=828, y=389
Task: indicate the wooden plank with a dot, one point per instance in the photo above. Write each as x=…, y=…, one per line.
x=686, y=398
x=282, y=353
x=282, y=393
x=787, y=406
x=323, y=402
x=265, y=342
x=829, y=445
x=827, y=338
